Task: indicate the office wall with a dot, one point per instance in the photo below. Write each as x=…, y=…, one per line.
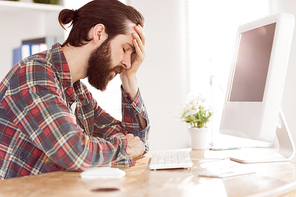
x=289, y=96
x=161, y=75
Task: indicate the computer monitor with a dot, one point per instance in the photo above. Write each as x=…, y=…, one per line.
x=252, y=107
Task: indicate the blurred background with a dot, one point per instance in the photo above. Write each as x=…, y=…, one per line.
x=189, y=49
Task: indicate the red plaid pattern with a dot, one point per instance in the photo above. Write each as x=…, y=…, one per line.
x=39, y=130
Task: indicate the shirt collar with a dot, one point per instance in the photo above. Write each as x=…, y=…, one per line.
x=61, y=65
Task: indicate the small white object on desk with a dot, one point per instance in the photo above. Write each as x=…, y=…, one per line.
x=224, y=174
x=102, y=172
x=228, y=148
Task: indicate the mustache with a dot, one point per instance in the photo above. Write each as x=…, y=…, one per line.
x=117, y=69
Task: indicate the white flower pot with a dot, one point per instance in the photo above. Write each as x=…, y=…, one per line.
x=199, y=138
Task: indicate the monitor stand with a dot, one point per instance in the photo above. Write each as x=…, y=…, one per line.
x=283, y=142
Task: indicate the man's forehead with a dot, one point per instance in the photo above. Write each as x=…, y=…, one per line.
x=130, y=30
x=130, y=27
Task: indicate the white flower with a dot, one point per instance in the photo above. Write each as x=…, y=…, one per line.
x=196, y=111
x=191, y=108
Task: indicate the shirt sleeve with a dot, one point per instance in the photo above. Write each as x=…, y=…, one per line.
x=131, y=110
x=36, y=105
x=106, y=126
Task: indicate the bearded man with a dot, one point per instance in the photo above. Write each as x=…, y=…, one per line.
x=49, y=121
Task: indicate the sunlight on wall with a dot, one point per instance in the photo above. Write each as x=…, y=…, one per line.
x=212, y=27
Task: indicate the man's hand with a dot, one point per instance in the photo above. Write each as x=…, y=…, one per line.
x=128, y=76
x=135, y=147
x=138, y=56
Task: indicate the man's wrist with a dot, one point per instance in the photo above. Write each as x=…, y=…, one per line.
x=130, y=85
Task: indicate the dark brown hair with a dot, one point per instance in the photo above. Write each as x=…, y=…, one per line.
x=113, y=14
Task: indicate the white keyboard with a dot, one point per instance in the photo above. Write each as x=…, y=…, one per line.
x=170, y=159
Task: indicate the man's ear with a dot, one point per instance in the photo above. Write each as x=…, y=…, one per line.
x=99, y=33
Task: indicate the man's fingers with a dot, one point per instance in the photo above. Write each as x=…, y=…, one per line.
x=134, y=140
x=141, y=33
x=129, y=136
x=135, y=147
x=139, y=40
x=140, y=52
x=139, y=47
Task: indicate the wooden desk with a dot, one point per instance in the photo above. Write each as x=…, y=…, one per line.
x=270, y=179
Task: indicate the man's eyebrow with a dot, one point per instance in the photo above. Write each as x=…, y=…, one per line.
x=131, y=46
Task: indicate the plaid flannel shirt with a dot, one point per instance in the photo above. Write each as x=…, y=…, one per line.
x=41, y=131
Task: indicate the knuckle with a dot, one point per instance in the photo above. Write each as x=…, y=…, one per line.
x=137, y=138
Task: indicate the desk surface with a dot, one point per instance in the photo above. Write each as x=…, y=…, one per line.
x=269, y=179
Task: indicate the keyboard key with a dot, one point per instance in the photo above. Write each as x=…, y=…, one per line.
x=161, y=155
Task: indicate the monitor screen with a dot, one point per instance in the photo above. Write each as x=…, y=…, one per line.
x=252, y=64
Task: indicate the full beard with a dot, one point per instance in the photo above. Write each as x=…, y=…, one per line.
x=100, y=71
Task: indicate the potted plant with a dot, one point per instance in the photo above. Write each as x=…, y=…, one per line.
x=54, y=2
x=197, y=113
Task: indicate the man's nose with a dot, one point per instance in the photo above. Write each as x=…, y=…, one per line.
x=126, y=62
